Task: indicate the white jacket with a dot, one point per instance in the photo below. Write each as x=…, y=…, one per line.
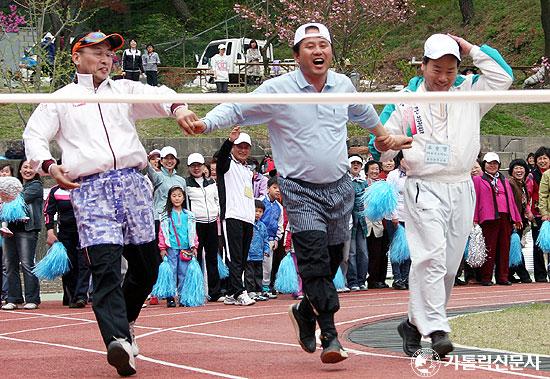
x=203, y=199
x=461, y=129
x=93, y=137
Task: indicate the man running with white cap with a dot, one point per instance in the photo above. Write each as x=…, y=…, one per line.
x=309, y=149
x=439, y=195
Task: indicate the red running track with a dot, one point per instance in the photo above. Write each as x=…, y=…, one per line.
x=230, y=341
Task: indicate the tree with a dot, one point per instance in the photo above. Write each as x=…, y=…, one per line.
x=545, y=18
x=467, y=10
x=348, y=20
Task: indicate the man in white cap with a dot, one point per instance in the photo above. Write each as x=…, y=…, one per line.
x=202, y=195
x=220, y=65
x=439, y=197
x=309, y=149
x=237, y=210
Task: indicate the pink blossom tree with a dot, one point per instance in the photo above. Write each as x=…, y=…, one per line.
x=348, y=20
x=11, y=21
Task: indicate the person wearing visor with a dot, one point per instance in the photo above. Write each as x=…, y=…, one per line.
x=439, y=196
x=102, y=158
x=309, y=146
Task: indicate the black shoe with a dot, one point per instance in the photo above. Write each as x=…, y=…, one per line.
x=411, y=337
x=526, y=280
x=399, y=286
x=304, y=328
x=459, y=282
x=170, y=303
x=333, y=352
x=506, y=283
x=79, y=304
x=513, y=279
x=541, y=280
x=441, y=343
x=487, y=284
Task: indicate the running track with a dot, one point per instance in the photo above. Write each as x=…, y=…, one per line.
x=220, y=341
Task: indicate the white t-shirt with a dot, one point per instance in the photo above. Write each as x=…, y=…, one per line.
x=220, y=66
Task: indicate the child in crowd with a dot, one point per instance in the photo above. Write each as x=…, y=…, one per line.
x=273, y=220
x=177, y=237
x=289, y=248
x=259, y=249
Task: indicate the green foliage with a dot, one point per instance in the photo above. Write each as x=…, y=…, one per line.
x=407, y=70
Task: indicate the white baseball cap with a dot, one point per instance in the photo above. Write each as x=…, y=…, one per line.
x=301, y=32
x=167, y=150
x=243, y=137
x=489, y=157
x=153, y=152
x=195, y=158
x=355, y=158
x=439, y=45
x=221, y=46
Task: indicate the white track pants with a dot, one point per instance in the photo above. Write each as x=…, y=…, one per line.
x=438, y=220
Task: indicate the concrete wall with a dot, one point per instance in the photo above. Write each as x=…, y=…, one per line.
x=12, y=46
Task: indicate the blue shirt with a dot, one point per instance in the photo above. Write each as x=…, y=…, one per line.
x=259, y=244
x=308, y=141
x=179, y=221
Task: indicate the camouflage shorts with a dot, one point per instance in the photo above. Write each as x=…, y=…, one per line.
x=114, y=207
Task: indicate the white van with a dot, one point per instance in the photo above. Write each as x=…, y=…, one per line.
x=236, y=49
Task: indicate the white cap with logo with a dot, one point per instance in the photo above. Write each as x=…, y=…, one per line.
x=221, y=46
x=491, y=156
x=243, y=138
x=195, y=158
x=301, y=32
x=167, y=150
x=439, y=45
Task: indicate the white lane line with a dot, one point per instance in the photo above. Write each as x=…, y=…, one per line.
x=141, y=357
x=46, y=328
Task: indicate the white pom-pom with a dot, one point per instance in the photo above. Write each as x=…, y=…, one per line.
x=10, y=188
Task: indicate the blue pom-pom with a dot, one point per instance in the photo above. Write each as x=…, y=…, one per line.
x=515, y=250
x=54, y=264
x=222, y=268
x=286, y=280
x=193, y=286
x=166, y=282
x=466, y=248
x=399, y=248
x=15, y=210
x=544, y=237
x=339, y=280
x=380, y=200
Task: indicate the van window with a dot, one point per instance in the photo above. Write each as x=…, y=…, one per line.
x=209, y=53
x=228, y=48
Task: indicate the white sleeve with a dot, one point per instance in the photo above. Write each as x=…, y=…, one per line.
x=42, y=127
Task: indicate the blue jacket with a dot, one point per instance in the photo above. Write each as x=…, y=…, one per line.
x=259, y=244
x=270, y=218
x=359, y=186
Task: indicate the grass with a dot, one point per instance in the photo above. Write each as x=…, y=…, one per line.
x=522, y=329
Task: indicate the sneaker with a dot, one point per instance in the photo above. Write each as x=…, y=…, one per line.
x=411, y=337
x=79, y=304
x=304, y=328
x=354, y=288
x=135, y=347
x=244, y=299
x=441, y=343
x=229, y=300
x=119, y=355
x=9, y=306
x=170, y=303
x=144, y=305
x=252, y=295
x=154, y=300
x=344, y=289
x=221, y=299
x=260, y=298
x=333, y=352
x=29, y=306
x=363, y=287
x=269, y=295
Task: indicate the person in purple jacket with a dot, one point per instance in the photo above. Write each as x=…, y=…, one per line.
x=496, y=212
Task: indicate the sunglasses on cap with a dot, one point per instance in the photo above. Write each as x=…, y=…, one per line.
x=93, y=38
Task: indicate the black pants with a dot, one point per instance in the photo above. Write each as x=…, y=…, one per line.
x=77, y=280
x=539, y=267
x=317, y=265
x=132, y=75
x=222, y=87
x=238, y=235
x=253, y=276
x=152, y=78
x=115, y=306
x=378, y=259
x=208, y=240
x=278, y=256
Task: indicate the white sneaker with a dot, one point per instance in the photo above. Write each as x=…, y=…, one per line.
x=229, y=300
x=252, y=295
x=244, y=299
x=355, y=288
x=221, y=299
x=135, y=347
x=9, y=306
x=119, y=355
x=345, y=289
x=30, y=306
